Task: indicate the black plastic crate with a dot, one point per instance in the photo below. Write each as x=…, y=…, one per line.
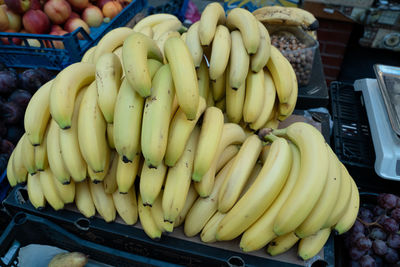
x=352, y=136
x=132, y=239
x=26, y=229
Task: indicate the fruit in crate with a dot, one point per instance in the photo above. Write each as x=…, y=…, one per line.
x=36, y=21
x=58, y=11
x=93, y=16
x=18, y=6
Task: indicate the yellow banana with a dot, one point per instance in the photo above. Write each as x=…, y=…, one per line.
x=126, y=174
x=211, y=16
x=35, y=193
x=183, y=37
x=235, y=102
x=184, y=76
x=147, y=221
x=37, y=114
x=261, y=57
x=126, y=206
x=88, y=56
x=166, y=26
x=221, y=48
x=178, y=180
x=65, y=191
x=97, y=177
x=152, y=20
x=210, y=101
x=179, y=132
x=238, y=174
x=127, y=122
x=218, y=87
x=155, y=124
x=41, y=160
x=326, y=202
x=110, y=135
x=174, y=108
x=108, y=81
x=103, y=202
x=190, y=199
x=151, y=181
x=110, y=180
x=193, y=43
x=286, y=109
x=65, y=88
x=210, y=229
x=163, y=38
x=239, y=62
x=92, y=131
x=118, y=53
x=158, y=216
x=210, y=135
x=226, y=155
x=254, y=99
x=282, y=244
x=12, y=179
x=56, y=161
x=19, y=169
x=49, y=190
x=204, y=79
x=83, y=199
x=242, y=19
x=28, y=152
x=69, y=145
x=148, y=31
x=310, y=246
x=278, y=67
x=136, y=50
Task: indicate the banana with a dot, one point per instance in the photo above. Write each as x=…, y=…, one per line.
x=35, y=193
x=204, y=208
x=65, y=191
x=221, y=104
x=261, y=57
x=238, y=174
x=278, y=67
x=126, y=206
x=148, y=31
x=83, y=199
x=28, y=152
x=345, y=193
x=179, y=133
x=97, y=177
x=158, y=216
x=178, y=180
x=49, y=190
x=108, y=81
x=54, y=156
x=273, y=121
x=163, y=38
x=204, y=79
x=19, y=169
x=265, y=152
x=261, y=232
x=218, y=87
x=254, y=100
x=12, y=179
x=350, y=215
x=287, y=16
x=312, y=176
x=65, y=88
x=111, y=41
x=151, y=181
x=310, y=246
x=127, y=122
x=211, y=16
x=92, y=131
x=153, y=66
x=69, y=145
x=118, y=53
x=286, y=109
x=88, y=56
x=326, y=202
x=282, y=244
x=268, y=103
x=183, y=75
x=239, y=62
x=136, y=50
x=210, y=135
x=155, y=121
x=231, y=134
x=261, y=194
x=193, y=43
x=221, y=48
x=110, y=180
x=234, y=102
x=147, y=221
x=103, y=202
x=166, y=26
x=41, y=160
x=190, y=199
x=242, y=19
x=210, y=101
x=37, y=114
x=126, y=174
x=110, y=135
x=210, y=229
x=226, y=155
x=174, y=108
x=152, y=20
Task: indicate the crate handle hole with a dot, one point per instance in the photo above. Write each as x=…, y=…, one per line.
x=82, y=224
x=20, y=218
x=235, y=261
x=319, y=263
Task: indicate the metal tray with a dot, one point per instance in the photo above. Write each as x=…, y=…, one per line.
x=389, y=83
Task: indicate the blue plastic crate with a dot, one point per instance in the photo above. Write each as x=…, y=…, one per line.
x=49, y=57
x=4, y=185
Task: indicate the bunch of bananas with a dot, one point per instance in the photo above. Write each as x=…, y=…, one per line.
x=141, y=104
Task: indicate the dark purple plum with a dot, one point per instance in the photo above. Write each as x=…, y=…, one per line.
x=367, y=261
x=11, y=113
x=358, y=227
x=365, y=214
x=393, y=241
x=32, y=79
x=377, y=233
x=390, y=225
x=392, y=256
x=6, y=147
x=387, y=201
x=8, y=82
x=20, y=97
x=380, y=248
x=355, y=253
x=354, y=238
x=363, y=243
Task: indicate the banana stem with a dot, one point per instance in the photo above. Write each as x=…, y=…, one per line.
x=279, y=132
x=271, y=137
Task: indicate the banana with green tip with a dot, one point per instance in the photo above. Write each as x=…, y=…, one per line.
x=126, y=206
x=158, y=216
x=151, y=181
x=193, y=43
x=279, y=68
x=108, y=81
x=282, y=244
x=126, y=174
x=83, y=199
x=239, y=62
x=49, y=190
x=28, y=151
x=254, y=99
x=36, y=196
x=261, y=57
x=190, y=199
x=311, y=245
x=64, y=89
x=221, y=48
x=103, y=202
x=65, y=191
x=110, y=180
x=147, y=221
x=212, y=15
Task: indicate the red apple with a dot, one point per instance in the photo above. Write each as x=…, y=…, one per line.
x=15, y=40
x=74, y=15
x=35, y=4
x=55, y=28
x=111, y=9
x=93, y=16
x=36, y=21
x=18, y=6
x=58, y=11
x=4, y=23
x=14, y=19
x=101, y=3
x=74, y=23
x=79, y=4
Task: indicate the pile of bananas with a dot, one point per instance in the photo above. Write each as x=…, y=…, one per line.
x=140, y=104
